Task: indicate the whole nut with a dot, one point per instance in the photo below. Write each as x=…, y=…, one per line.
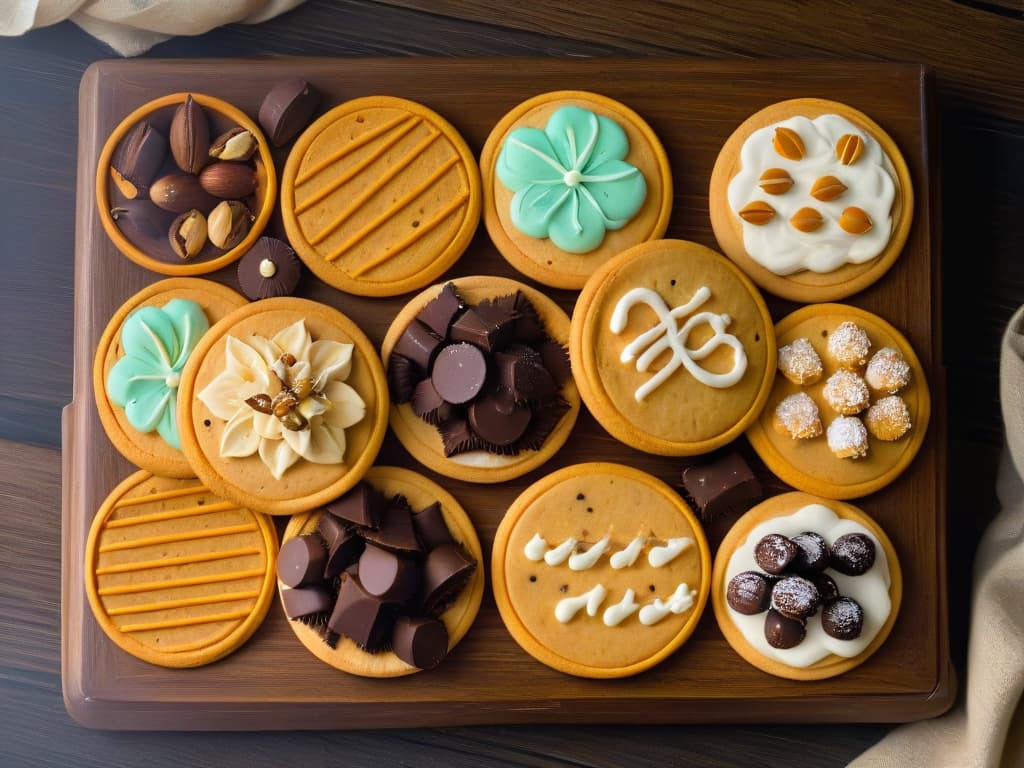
x=775, y=181
x=849, y=148
x=138, y=159
x=827, y=188
x=855, y=221
x=228, y=181
x=788, y=143
x=807, y=220
x=758, y=212
x=238, y=144
x=228, y=224
x=180, y=192
x=188, y=234
x=190, y=136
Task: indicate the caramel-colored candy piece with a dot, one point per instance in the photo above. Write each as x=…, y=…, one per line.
x=776, y=181
x=788, y=143
x=798, y=416
x=807, y=220
x=799, y=362
x=888, y=419
x=758, y=212
x=846, y=393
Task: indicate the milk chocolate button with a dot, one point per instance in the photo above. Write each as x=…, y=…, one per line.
x=305, y=601
x=363, y=505
x=301, y=561
x=387, y=576
x=498, y=418
x=783, y=632
x=287, y=109
x=445, y=571
x=421, y=643
x=269, y=269
x=459, y=373
x=361, y=616
x=431, y=527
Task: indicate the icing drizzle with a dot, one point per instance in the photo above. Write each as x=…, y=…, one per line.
x=538, y=549
x=650, y=614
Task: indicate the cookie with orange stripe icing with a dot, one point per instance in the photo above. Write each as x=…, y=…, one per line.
x=380, y=196
x=176, y=575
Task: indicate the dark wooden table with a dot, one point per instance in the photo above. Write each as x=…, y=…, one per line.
x=977, y=52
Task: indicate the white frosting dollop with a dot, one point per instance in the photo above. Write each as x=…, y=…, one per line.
x=681, y=601
x=570, y=606
x=659, y=556
x=626, y=557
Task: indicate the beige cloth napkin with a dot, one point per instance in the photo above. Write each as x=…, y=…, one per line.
x=132, y=27
x=987, y=727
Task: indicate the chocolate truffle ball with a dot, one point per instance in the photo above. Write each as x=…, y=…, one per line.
x=783, y=632
x=748, y=593
x=795, y=597
x=853, y=554
x=774, y=553
x=812, y=553
x=843, y=619
x=827, y=588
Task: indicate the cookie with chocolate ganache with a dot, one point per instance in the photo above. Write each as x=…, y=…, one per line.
x=283, y=405
x=828, y=609
x=600, y=570
x=571, y=178
x=812, y=199
x=385, y=580
x=480, y=380
x=138, y=364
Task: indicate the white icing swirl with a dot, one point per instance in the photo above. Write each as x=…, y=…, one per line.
x=581, y=561
x=659, y=556
x=535, y=548
x=626, y=557
x=622, y=610
x=567, y=608
x=559, y=554
x=681, y=601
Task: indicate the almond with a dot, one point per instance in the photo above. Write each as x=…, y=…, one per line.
x=807, y=220
x=849, y=148
x=855, y=221
x=827, y=188
x=757, y=212
x=788, y=143
x=775, y=181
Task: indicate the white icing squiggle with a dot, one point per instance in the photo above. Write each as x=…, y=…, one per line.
x=581, y=561
x=622, y=610
x=570, y=606
x=535, y=548
x=538, y=549
x=558, y=555
x=667, y=335
x=626, y=557
x=681, y=601
x=659, y=556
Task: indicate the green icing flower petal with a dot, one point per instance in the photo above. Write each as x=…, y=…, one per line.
x=527, y=158
x=577, y=227
x=189, y=323
x=533, y=208
x=127, y=374
x=620, y=190
x=167, y=428
x=149, y=333
x=145, y=409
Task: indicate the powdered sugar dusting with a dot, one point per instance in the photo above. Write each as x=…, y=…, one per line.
x=849, y=345
x=888, y=372
x=799, y=362
x=847, y=438
x=846, y=392
x=798, y=415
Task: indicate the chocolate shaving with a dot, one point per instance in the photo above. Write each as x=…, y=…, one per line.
x=459, y=438
x=556, y=360
x=403, y=375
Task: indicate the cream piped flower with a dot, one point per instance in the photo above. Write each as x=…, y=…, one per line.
x=286, y=398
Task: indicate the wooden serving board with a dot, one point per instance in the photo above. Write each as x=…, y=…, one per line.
x=274, y=682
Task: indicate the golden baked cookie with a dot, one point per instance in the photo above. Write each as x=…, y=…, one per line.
x=600, y=570
x=457, y=617
x=812, y=199
x=176, y=575
x=138, y=365
x=853, y=587
x=481, y=385
x=672, y=348
x=824, y=464
x=380, y=196
x=283, y=406
x=570, y=179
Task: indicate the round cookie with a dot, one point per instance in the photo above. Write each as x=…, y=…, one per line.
x=826, y=202
x=457, y=617
x=424, y=441
x=176, y=575
x=591, y=179
x=380, y=196
x=672, y=348
x=149, y=450
x=280, y=438
x=600, y=570
x=809, y=464
x=817, y=655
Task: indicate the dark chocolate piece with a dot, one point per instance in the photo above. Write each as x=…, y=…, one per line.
x=721, y=486
x=774, y=553
x=429, y=405
x=440, y=312
x=458, y=438
x=420, y=643
x=361, y=617
x=305, y=601
x=140, y=155
x=419, y=344
x=827, y=588
x=748, y=593
x=812, y=553
x=445, y=572
x=556, y=361
x=387, y=576
x=521, y=370
x=403, y=374
x=146, y=226
x=783, y=632
x=489, y=332
x=795, y=597
x=301, y=561
x=343, y=552
x=287, y=109
x=363, y=505
x=843, y=619
x=852, y=554
x=331, y=530
x=529, y=326
x=498, y=419
x=459, y=373
x=431, y=527
x=545, y=418
x=269, y=269
x=395, y=531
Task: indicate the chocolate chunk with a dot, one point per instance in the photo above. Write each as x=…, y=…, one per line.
x=343, y=552
x=498, y=419
x=722, y=486
x=556, y=361
x=489, y=332
x=827, y=588
x=403, y=374
x=748, y=593
x=545, y=418
x=421, y=643
x=361, y=616
x=774, y=553
x=852, y=554
x=305, y=601
x=459, y=373
x=440, y=311
x=429, y=405
x=287, y=109
x=445, y=572
x=812, y=553
x=795, y=597
x=301, y=561
x=387, y=576
x=521, y=370
x=419, y=344
x=843, y=619
x=331, y=530
x=363, y=505
x=783, y=632
x=395, y=531
x=431, y=527
x=458, y=438
x=139, y=157
x=269, y=269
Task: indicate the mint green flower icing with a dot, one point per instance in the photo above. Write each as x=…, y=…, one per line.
x=156, y=343
x=571, y=181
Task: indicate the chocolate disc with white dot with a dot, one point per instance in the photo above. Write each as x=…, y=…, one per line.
x=269, y=269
